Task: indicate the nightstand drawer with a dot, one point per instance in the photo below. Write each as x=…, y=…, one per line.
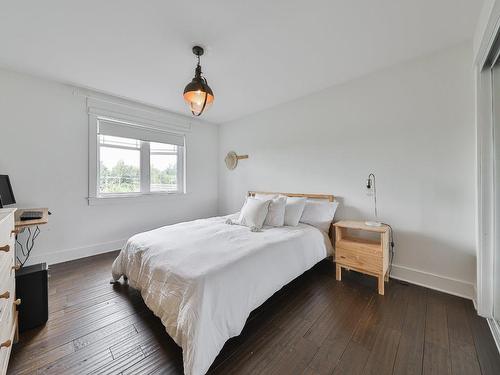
x=360, y=259
x=365, y=246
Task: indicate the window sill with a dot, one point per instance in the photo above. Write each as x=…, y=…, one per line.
x=116, y=199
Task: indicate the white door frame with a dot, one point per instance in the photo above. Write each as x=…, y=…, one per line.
x=487, y=236
x=485, y=193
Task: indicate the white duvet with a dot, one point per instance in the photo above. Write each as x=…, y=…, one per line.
x=203, y=278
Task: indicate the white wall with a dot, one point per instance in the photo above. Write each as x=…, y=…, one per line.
x=44, y=149
x=412, y=125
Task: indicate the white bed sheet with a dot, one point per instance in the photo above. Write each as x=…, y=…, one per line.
x=203, y=278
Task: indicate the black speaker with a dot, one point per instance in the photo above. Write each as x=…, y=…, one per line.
x=31, y=288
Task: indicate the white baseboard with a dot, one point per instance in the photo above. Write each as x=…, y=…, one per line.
x=444, y=284
x=495, y=331
x=76, y=253
x=474, y=297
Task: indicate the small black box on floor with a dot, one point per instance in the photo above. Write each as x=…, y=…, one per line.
x=31, y=288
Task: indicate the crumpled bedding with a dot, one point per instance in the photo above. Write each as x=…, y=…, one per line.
x=203, y=278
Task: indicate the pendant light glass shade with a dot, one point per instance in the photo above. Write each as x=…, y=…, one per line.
x=197, y=94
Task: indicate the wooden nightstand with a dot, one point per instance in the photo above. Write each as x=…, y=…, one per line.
x=361, y=254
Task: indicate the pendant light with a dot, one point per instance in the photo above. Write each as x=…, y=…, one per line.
x=197, y=93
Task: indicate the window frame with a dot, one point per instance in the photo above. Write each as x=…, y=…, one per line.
x=96, y=198
x=98, y=168
x=180, y=168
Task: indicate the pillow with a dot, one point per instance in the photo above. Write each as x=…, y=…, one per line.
x=319, y=213
x=293, y=210
x=276, y=215
x=265, y=197
x=254, y=213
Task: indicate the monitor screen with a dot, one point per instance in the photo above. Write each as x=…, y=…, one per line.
x=6, y=193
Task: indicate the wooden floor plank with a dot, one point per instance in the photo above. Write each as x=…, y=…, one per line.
x=111, y=329
x=353, y=360
x=91, y=357
x=22, y=368
x=330, y=352
x=313, y=326
x=411, y=345
x=462, y=350
x=436, y=327
x=121, y=363
x=294, y=359
x=437, y=359
x=70, y=333
x=486, y=350
x=383, y=355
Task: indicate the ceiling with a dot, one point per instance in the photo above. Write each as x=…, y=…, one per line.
x=260, y=52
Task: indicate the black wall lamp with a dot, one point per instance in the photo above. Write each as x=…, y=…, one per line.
x=371, y=190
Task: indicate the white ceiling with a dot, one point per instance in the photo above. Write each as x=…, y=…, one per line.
x=260, y=53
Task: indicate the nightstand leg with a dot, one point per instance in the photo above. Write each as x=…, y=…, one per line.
x=338, y=273
x=386, y=277
x=381, y=285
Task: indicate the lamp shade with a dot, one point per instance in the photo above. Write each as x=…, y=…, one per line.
x=198, y=95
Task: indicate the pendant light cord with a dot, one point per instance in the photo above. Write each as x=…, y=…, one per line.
x=199, y=75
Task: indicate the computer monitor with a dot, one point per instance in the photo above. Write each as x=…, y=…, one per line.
x=6, y=193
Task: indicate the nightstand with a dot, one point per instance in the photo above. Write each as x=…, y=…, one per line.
x=355, y=252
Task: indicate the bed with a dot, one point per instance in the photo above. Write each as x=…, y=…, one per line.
x=203, y=278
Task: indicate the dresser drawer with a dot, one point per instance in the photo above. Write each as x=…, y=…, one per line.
x=5, y=351
x=7, y=310
x=364, y=260
x=7, y=261
x=7, y=258
x=6, y=273
x=6, y=228
x=4, y=359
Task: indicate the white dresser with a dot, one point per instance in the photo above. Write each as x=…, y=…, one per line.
x=8, y=313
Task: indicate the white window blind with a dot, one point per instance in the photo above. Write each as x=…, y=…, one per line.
x=124, y=130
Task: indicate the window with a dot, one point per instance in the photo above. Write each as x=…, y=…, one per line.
x=133, y=160
x=119, y=165
x=163, y=166
x=136, y=152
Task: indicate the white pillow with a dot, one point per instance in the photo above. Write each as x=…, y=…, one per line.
x=265, y=197
x=293, y=210
x=319, y=213
x=254, y=212
x=276, y=215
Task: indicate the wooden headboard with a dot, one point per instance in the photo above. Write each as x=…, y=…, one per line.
x=328, y=197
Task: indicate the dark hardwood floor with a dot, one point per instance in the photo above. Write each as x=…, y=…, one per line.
x=314, y=325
